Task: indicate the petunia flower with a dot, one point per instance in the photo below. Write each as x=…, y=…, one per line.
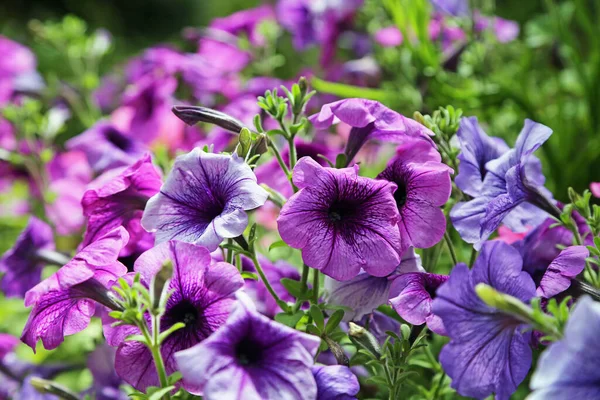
x=246, y=22
x=106, y=147
x=369, y=120
x=120, y=201
x=451, y=7
x=204, y=200
x=424, y=185
x=489, y=350
x=388, y=37
x=203, y=294
x=101, y=363
x=335, y=382
x=477, y=148
x=564, y=268
x=364, y=293
x=512, y=191
x=64, y=303
x=21, y=265
x=342, y=222
x=253, y=356
x=568, y=369
x=412, y=294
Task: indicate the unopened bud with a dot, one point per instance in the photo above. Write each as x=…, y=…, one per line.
x=191, y=115
x=363, y=338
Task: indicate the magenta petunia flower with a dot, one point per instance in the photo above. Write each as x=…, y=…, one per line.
x=203, y=294
x=412, y=294
x=204, y=200
x=562, y=270
x=246, y=22
x=107, y=147
x=389, y=37
x=369, y=119
x=423, y=187
x=21, y=265
x=364, y=293
x=335, y=382
x=119, y=201
x=489, y=350
x=253, y=356
x=64, y=303
x=342, y=222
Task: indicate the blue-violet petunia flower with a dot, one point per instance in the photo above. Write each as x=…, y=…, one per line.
x=342, y=222
x=562, y=270
x=204, y=200
x=251, y=356
x=489, y=350
x=335, y=382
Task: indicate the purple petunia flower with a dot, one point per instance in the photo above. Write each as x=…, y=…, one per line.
x=7, y=344
x=411, y=295
x=21, y=267
x=489, y=350
x=451, y=7
x=204, y=200
x=565, y=267
x=101, y=363
x=64, y=303
x=568, y=369
x=364, y=293
x=389, y=37
x=369, y=120
x=252, y=355
x=504, y=30
x=203, y=294
x=246, y=22
x=335, y=382
x=477, y=148
x=120, y=201
x=342, y=222
x=512, y=191
x=423, y=187
x=106, y=147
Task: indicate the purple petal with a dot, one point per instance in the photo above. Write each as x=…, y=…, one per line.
x=335, y=382
x=569, y=263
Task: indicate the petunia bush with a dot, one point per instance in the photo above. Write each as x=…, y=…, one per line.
x=200, y=224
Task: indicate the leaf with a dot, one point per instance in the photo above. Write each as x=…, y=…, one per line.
x=277, y=244
x=317, y=316
x=158, y=395
x=341, y=160
x=249, y=275
x=293, y=287
x=290, y=320
x=313, y=330
x=173, y=328
x=377, y=380
x=334, y=321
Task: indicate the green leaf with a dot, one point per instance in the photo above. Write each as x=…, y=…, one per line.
x=313, y=330
x=341, y=160
x=173, y=328
x=249, y=275
x=334, y=321
x=293, y=287
x=290, y=320
x=277, y=244
x=158, y=395
x=317, y=316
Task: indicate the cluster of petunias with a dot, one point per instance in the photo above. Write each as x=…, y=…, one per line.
x=221, y=266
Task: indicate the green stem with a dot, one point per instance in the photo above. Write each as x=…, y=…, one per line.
x=229, y=252
x=473, y=257
x=451, y=248
x=304, y=285
x=316, y=283
x=293, y=154
x=439, y=386
x=263, y=277
x=154, y=347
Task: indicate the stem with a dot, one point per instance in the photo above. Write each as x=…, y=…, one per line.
x=316, y=286
x=304, y=282
x=292, y=150
x=439, y=386
x=229, y=258
x=263, y=277
x=451, y=248
x=473, y=257
x=52, y=257
x=154, y=347
x=275, y=150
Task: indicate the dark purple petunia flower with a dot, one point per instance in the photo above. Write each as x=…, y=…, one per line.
x=253, y=356
x=411, y=295
x=424, y=185
x=204, y=200
x=569, y=368
x=203, y=294
x=120, y=201
x=107, y=147
x=512, y=191
x=489, y=350
x=342, y=222
x=335, y=382
x=64, y=303
x=477, y=148
x=21, y=265
x=369, y=120
x=364, y=293
x=562, y=270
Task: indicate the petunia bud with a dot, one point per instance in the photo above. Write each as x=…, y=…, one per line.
x=191, y=115
x=363, y=338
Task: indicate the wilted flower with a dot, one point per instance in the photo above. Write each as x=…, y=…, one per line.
x=369, y=120
x=204, y=200
x=252, y=355
x=21, y=265
x=203, y=294
x=341, y=221
x=568, y=369
x=489, y=350
x=120, y=201
x=64, y=303
x=335, y=382
x=424, y=185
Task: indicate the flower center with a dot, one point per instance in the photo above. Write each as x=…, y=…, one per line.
x=248, y=352
x=117, y=139
x=185, y=312
x=400, y=194
x=339, y=211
